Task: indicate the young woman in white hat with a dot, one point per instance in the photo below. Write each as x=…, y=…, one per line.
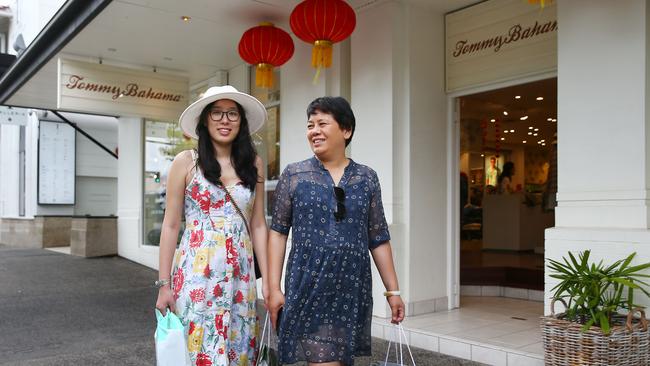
x=209, y=281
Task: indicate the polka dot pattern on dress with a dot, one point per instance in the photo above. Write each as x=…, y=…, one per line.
x=328, y=284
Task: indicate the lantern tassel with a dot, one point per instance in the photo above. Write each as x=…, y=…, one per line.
x=264, y=76
x=321, y=57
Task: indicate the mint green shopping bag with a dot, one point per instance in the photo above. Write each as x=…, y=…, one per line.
x=171, y=344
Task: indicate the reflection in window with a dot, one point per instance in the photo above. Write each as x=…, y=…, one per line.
x=163, y=141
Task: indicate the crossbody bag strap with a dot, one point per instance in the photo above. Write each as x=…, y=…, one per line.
x=234, y=203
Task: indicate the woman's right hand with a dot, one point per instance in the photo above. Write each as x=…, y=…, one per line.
x=275, y=302
x=165, y=300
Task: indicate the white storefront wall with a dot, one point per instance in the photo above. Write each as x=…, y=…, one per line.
x=603, y=137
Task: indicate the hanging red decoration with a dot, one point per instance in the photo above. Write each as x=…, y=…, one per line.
x=265, y=47
x=322, y=23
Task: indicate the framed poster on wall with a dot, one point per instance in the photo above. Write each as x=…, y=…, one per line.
x=56, y=163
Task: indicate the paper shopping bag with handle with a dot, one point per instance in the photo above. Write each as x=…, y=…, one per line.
x=171, y=346
x=267, y=356
x=400, y=338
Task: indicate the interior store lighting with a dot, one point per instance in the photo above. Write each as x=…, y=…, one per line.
x=503, y=138
x=530, y=127
x=505, y=113
x=530, y=133
x=537, y=129
x=517, y=96
x=535, y=134
x=523, y=118
x=493, y=120
x=523, y=142
x=512, y=131
x=549, y=119
x=540, y=98
x=186, y=18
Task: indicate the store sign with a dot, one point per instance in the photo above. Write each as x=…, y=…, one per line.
x=499, y=40
x=97, y=88
x=13, y=116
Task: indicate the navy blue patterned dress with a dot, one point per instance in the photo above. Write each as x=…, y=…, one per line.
x=328, y=283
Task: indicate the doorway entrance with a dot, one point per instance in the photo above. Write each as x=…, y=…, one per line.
x=508, y=182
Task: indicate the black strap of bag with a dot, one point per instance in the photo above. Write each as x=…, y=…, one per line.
x=258, y=273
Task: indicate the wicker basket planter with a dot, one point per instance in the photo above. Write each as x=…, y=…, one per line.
x=565, y=344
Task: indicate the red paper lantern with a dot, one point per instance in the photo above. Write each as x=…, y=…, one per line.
x=322, y=23
x=265, y=46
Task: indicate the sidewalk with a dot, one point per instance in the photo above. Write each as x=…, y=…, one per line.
x=57, y=309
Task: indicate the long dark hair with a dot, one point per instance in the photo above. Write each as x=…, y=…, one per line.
x=242, y=153
x=508, y=169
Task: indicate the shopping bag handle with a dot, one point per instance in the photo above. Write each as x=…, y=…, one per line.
x=398, y=355
x=266, y=322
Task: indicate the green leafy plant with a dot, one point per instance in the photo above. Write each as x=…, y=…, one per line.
x=595, y=293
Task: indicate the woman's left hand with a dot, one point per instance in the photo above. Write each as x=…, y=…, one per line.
x=397, y=308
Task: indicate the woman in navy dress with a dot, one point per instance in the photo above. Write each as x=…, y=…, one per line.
x=334, y=207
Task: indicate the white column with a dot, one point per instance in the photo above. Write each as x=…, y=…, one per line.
x=603, y=146
x=130, y=177
x=9, y=136
x=398, y=97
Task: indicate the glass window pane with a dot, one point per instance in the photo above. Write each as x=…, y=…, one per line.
x=163, y=141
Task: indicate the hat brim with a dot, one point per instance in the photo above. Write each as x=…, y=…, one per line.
x=254, y=109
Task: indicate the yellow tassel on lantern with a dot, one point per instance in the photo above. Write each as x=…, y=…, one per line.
x=264, y=75
x=541, y=3
x=321, y=56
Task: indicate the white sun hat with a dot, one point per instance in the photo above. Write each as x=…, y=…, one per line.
x=255, y=111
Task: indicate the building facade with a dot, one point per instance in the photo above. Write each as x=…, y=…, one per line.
x=405, y=85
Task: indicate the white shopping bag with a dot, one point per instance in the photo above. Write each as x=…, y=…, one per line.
x=267, y=356
x=171, y=345
x=399, y=356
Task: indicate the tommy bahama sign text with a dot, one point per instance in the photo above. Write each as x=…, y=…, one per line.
x=515, y=33
x=130, y=90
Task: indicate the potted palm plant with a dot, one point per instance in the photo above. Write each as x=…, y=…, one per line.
x=601, y=324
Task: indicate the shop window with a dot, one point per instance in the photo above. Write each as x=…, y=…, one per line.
x=267, y=139
x=163, y=141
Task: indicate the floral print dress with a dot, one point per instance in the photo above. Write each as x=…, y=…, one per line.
x=213, y=277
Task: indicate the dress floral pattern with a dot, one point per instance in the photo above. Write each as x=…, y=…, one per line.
x=328, y=283
x=213, y=278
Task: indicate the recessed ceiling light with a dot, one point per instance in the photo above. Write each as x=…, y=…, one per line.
x=517, y=96
x=530, y=133
x=503, y=138
x=493, y=120
x=523, y=118
x=530, y=127
x=549, y=119
x=482, y=154
x=537, y=129
x=535, y=134
x=505, y=131
x=543, y=144
x=523, y=142
x=111, y=49
x=186, y=18
x=512, y=131
x=505, y=113
x=554, y=120
x=540, y=98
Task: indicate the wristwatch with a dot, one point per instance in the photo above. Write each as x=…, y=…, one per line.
x=161, y=283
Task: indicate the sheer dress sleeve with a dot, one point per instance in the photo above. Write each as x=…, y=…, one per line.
x=377, y=226
x=282, y=206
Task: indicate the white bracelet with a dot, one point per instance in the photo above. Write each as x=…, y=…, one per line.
x=392, y=293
